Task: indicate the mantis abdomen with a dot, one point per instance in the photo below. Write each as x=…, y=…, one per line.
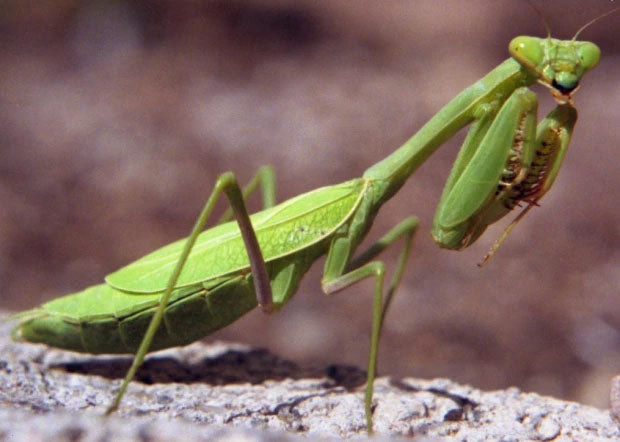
x=122, y=332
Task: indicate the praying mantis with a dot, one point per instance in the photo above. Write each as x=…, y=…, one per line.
x=201, y=284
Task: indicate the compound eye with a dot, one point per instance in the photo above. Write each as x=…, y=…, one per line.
x=527, y=50
x=589, y=54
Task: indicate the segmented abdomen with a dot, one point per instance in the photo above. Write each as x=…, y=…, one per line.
x=186, y=319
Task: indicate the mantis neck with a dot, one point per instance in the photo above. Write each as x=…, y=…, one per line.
x=391, y=173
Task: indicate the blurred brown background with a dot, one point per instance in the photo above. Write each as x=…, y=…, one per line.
x=117, y=116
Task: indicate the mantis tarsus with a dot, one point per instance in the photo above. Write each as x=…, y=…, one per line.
x=204, y=283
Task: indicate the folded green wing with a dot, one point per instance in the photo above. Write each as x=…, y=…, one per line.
x=281, y=230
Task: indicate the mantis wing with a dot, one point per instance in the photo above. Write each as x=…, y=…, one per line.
x=280, y=230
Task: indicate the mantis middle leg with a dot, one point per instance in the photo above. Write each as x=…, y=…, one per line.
x=228, y=184
x=362, y=267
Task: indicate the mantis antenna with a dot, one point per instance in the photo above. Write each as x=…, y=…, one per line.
x=594, y=20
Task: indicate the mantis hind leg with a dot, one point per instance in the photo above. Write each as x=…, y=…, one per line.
x=228, y=184
x=265, y=177
x=363, y=267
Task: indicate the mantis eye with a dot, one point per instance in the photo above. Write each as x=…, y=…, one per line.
x=527, y=51
x=589, y=54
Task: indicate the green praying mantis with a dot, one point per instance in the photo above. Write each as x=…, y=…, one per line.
x=195, y=286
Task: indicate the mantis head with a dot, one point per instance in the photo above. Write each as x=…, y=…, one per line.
x=557, y=64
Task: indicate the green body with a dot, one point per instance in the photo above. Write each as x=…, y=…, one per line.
x=223, y=273
x=113, y=317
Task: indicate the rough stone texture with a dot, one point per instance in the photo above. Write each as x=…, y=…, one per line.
x=223, y=391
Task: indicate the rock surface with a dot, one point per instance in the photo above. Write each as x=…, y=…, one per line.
x=223, y=391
